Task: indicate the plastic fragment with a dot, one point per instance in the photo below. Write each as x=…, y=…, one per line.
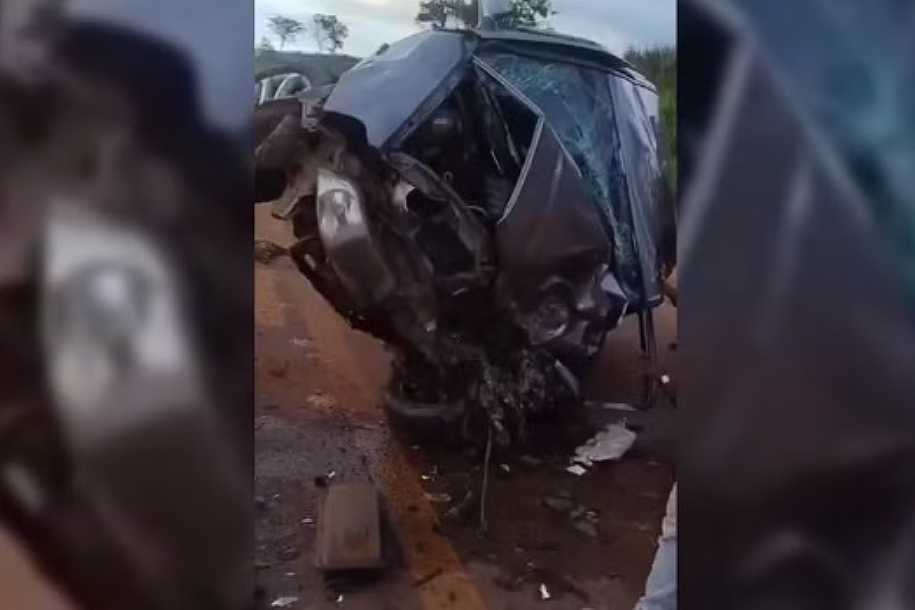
x=544, y=592
x=284, y=602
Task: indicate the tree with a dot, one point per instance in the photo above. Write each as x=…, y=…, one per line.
x=329, y=32
x=285, y=28
x=462, y=13
x=263, y=45
x=465, y=13
x=530, y=13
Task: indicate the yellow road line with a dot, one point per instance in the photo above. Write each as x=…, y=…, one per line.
x=430, y=557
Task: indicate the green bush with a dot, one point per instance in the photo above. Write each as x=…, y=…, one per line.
x=659, y=65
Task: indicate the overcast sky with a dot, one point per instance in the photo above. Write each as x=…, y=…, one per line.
x=616, y=24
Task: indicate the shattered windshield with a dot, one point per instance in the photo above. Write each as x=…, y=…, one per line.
x=577, y=104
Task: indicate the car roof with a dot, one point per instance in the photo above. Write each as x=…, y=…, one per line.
x=582, y=47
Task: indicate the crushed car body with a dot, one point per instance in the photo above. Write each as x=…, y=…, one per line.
x=487, y=202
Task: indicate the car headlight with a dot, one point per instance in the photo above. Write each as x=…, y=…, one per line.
x=113, y=321
x=346, y=235
x=339, y=206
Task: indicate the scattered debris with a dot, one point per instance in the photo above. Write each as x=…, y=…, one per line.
x=339, y=599
x=308, y=521
x=330, y=475
x=559, y=505
x=586, y=527
x=665, y=379
x=577, y=512
x=284, y=602
x=505, y=470
x=544, y=592
x=266, y=251
x=577, y=469
x=530, y=461
x=349, y=528
x=608, y=444
x=438, y=498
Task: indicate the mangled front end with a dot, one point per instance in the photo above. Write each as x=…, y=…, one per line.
x=437, y=208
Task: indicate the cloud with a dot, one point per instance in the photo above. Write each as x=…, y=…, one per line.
x=616, y=24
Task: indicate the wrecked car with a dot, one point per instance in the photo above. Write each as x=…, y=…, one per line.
x=489, y=203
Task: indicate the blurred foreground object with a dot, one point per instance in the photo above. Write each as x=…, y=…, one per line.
x=661, y=586
x=124, y=304
x=796, y=325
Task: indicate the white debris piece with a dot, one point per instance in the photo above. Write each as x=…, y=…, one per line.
x=611, y=443
x=284, y=602
x=544, y=592
x=576, y=469
x=611, y=406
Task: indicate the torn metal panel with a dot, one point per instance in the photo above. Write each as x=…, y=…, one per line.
x=549, y=226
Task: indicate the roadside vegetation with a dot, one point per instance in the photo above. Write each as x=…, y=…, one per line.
x=659, y=65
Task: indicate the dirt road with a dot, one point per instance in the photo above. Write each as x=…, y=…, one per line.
x=318, y=412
